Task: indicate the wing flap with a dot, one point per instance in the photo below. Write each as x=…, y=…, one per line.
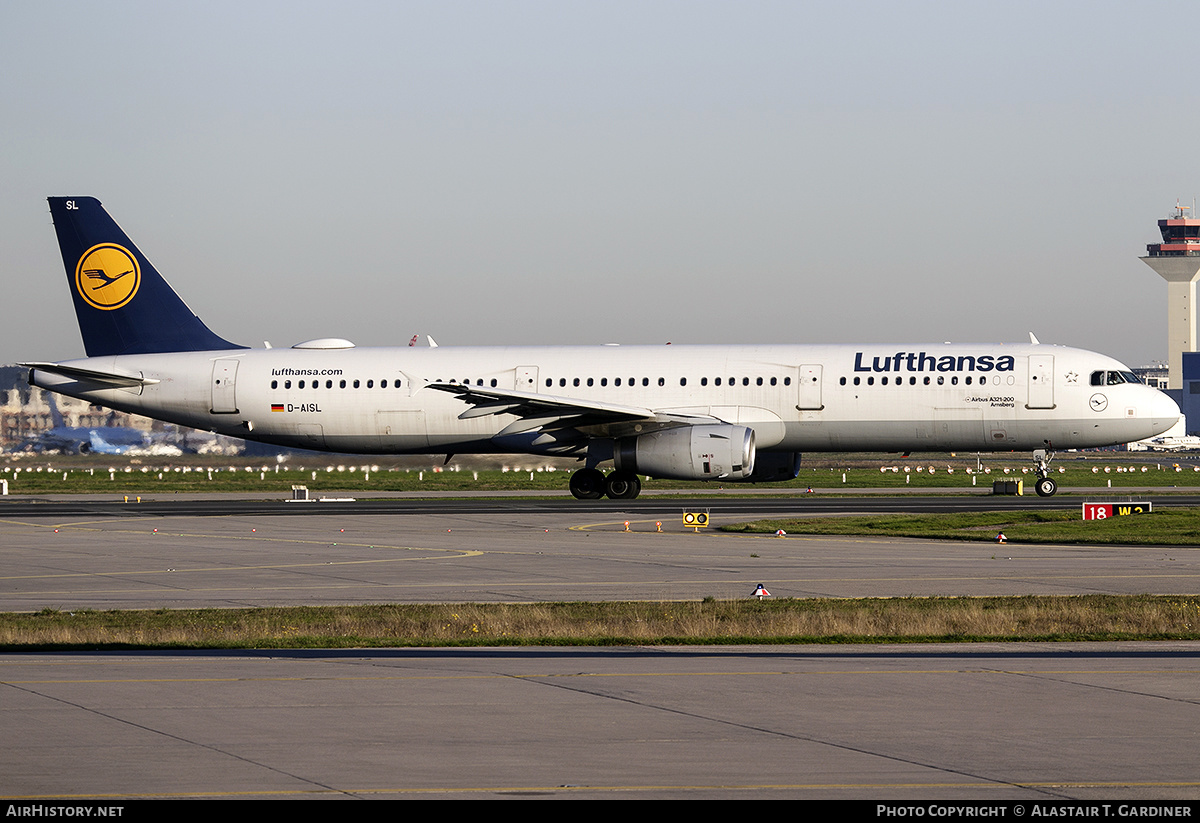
x=486, y=401
x=549, y=413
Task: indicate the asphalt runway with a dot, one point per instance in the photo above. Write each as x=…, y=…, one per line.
x=648, y=506
x=464, y=551
x=981, y=721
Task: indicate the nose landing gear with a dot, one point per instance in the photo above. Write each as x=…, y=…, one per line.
x=1044, y=485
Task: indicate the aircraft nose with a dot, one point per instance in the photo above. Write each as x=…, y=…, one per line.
x=1163, y=410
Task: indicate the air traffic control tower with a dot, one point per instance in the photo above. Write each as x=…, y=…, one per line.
x=1177, y=260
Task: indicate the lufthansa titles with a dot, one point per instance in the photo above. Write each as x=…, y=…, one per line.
x=912, y=361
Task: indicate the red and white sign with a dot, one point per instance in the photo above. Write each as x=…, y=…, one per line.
x=1103, y=511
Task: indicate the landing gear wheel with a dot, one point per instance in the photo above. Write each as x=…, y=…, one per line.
x=622, y=485
x=1045, y=487
x=588, y=484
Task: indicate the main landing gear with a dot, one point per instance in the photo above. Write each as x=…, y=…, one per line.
x=1044, y=485
x=591, y=484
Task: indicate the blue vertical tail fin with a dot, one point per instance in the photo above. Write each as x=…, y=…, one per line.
x=123, y=304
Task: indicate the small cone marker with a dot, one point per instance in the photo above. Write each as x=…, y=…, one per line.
x=626, y=525
x=1000, y=538
x=781, y=533
x=761, y=592
x=658, y=525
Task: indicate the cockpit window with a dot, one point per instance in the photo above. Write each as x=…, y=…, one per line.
x=1114, y=378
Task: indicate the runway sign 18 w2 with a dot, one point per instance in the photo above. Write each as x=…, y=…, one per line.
x=1103, y=511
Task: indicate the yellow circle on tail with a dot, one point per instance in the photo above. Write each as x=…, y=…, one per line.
x=107, y=276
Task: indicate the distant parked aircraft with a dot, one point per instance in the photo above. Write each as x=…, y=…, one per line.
x=86, y=439
x=1174, y=444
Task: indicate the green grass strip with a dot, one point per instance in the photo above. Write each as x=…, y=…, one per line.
x=1164, y=527
x=707, y=622
x=121, y=475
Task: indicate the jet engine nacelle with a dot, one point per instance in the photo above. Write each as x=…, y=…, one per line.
x=689, y=453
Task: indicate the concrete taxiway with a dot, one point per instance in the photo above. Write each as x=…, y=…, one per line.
x=981, y=721
x=1040, y=722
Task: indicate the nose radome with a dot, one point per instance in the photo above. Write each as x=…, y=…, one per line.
x=1164, y=411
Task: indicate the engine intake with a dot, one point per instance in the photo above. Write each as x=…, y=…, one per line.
x=689, y=453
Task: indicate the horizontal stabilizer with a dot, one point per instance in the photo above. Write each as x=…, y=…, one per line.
x=113, y=379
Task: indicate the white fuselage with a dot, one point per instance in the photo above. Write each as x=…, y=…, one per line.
x=796, y=398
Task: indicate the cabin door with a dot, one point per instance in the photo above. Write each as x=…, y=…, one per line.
x=1041, y=382
x=526, y=378
x=810, y=388
x=224, y=386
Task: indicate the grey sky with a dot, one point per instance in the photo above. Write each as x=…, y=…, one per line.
x=523, y=173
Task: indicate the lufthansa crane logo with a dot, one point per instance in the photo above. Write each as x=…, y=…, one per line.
x=107, y=276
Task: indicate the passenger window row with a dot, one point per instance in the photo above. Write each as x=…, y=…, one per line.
x=662, y=381
x=927, y=380
x=342, y=384
x=550, y=382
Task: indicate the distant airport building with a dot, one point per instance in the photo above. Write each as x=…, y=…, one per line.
x=1189, y=398
x=1177, y=260
x=25, y=412
x=1155, y=375
x=26, y=415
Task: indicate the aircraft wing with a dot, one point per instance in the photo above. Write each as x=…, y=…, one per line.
x=548, y=412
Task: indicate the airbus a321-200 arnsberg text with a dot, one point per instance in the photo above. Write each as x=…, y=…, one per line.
x=741, y=413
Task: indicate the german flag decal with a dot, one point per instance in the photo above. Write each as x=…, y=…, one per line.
x=276, y=407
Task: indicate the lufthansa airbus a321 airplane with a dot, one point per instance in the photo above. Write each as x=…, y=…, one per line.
x=729, y=413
